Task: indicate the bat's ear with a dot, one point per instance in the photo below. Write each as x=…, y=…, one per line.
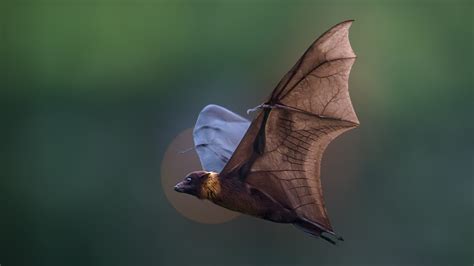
x=203, y=174
x=200, y=176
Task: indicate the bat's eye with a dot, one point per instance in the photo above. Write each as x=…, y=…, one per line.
x=188, y=179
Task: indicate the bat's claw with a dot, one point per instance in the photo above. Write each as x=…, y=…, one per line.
x=251, y=110
x=260, y=107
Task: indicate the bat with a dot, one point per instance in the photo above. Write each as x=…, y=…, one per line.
x=270, y=168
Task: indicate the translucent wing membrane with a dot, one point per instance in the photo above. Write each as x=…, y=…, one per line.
x=281, y=152
x=216, y=134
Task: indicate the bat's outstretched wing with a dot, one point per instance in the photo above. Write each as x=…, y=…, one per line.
x=281, y=152
x=216, y=135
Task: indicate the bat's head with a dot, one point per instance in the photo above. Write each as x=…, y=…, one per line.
x=193, y=183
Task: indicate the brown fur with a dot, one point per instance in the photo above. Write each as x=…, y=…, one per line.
x=210, y=187
x=233, y=194
x=241, y=197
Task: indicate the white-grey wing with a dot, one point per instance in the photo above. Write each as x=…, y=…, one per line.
x=217, y=133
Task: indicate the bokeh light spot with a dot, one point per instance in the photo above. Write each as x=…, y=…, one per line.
x=174, y=167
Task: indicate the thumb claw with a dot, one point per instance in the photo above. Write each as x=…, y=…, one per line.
x=253, y=109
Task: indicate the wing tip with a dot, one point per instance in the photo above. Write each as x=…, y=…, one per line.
x=347, y=21
x=340, y=32
x=346, y=24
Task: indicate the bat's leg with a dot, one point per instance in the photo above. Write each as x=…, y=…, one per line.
x=328, y=239
x=316, y=234
x=338, y=237
x=316, y=230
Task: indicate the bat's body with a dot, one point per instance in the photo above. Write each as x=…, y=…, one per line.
x=241, y=197
x=270, y=168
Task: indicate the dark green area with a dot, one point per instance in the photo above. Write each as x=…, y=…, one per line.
x=92, y=92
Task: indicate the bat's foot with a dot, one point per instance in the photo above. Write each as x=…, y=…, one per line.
x=328, y=239
x=316, y=230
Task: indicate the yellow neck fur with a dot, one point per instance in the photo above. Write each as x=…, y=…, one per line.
x=211, y=187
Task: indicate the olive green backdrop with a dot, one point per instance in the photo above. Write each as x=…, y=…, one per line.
x=92, y=93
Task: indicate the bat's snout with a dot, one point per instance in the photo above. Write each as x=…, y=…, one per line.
x=179, y=187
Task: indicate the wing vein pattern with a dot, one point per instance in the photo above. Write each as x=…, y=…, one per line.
x=281, y=152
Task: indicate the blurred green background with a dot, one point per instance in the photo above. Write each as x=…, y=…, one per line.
x=92, y=93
